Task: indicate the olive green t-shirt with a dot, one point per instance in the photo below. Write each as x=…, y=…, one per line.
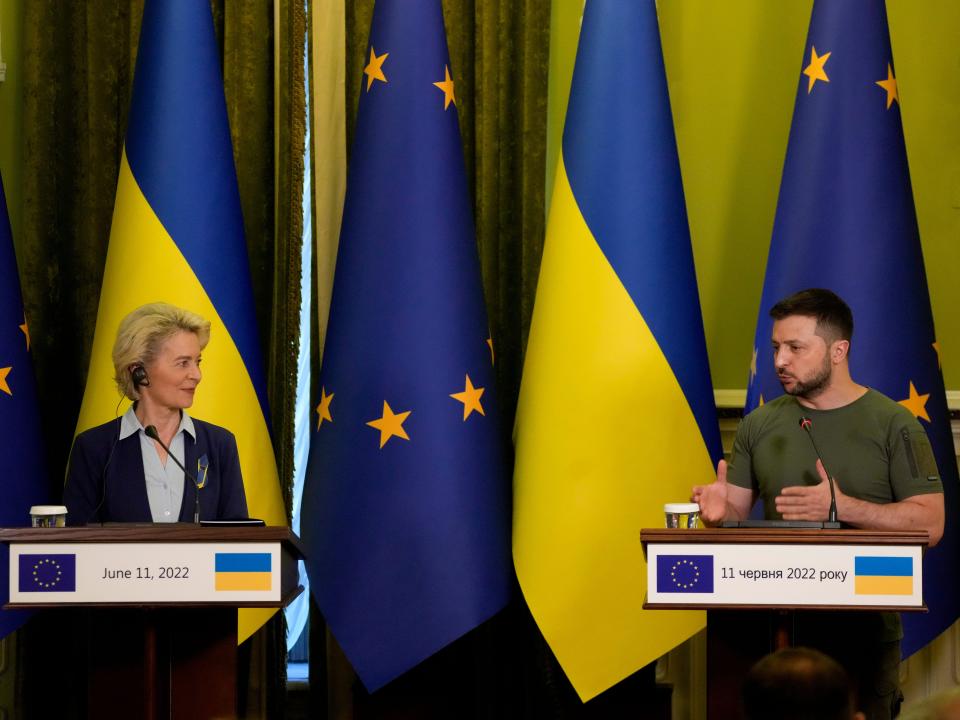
x=874, y=448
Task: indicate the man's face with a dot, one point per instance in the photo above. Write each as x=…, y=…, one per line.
x=800, y=356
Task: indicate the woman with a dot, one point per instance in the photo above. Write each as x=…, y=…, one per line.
x=119, y=474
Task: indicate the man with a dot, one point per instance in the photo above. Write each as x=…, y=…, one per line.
x=879, y=456
x=798, y=684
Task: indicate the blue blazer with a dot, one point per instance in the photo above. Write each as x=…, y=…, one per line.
x=105, y=480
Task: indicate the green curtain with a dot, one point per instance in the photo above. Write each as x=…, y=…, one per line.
x=78, y=63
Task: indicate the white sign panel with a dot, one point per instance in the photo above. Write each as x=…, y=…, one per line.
x=777, y=575
x=154, y=573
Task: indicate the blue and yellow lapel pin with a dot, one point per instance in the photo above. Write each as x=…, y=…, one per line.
x=202, y=466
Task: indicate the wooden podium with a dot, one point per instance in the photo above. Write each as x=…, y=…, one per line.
x=161, y=629
x=776, y=572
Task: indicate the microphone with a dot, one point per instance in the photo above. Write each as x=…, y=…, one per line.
x=151, y=432
x=806, y=423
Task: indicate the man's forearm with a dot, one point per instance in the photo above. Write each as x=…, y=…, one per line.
x=921, y=512
x=739, y=503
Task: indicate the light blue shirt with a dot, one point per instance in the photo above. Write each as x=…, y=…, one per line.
x=164, y=482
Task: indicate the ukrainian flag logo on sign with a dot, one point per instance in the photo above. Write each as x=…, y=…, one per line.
x=883, y=575
x=243, y=571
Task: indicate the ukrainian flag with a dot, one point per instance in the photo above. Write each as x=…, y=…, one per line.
x=177, y=236
x=883, y=575
x=243, y=571
x=616, y=413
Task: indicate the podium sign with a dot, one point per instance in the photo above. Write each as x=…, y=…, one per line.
x=717, y=575
x=784, y=568
x=154, y=573
x=155, y=565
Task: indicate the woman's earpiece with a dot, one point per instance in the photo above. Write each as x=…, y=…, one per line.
x=138, y=373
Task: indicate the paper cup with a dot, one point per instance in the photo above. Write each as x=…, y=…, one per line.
x=48, y=516
x=682, y=515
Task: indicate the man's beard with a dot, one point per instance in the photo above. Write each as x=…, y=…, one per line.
x=812, y=386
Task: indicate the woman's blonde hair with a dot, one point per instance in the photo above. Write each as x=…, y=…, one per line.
x=141, y=335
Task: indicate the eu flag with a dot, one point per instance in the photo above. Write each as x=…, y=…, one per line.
x=21, y=450
x=846, y=221
x=406, y=507
x=177, y=235
x=685, y=573
x=48, y=573
x=616, y=414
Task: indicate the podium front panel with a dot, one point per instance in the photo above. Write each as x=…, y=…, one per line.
x=144, y=572
x=784, y=575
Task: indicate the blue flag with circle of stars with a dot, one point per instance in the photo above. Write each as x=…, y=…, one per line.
x=25, y=481
x=406, y=502
x=846, y=221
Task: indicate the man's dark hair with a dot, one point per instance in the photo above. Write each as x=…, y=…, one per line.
x=834, y=318
x=798, y=684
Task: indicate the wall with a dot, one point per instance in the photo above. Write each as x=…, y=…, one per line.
x=925, y=49
x=732, y=69
x=11, y=108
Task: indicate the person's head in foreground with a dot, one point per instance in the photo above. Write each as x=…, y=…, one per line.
x=798, y=684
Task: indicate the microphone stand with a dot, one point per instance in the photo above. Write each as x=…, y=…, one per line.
x=806, y=423
x=151, y=432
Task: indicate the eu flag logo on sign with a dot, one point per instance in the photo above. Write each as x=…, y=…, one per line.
x=685, y=573
x=48, y=573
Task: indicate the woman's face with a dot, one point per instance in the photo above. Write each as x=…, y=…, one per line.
x=175, y=373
